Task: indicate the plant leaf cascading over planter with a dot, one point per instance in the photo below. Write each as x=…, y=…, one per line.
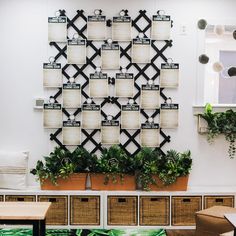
x=221, y=123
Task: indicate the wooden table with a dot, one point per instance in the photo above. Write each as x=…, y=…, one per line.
x=24, y=213
x=232, y=220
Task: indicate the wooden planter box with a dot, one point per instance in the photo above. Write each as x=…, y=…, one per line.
x=181, y=184
x=75, y=181
x=97, y=182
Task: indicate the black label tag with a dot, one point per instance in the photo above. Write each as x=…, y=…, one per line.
x=110, y=47
x=97, y=18
x=134, y=107
x=110, y=123
x=122, y=19
x=77, y=42
x=71, y=86
x=170, y=66
x=70, y=123
x=161, y=18
x=150, y=87
x=51, y=66
x=124, y=76
x=149, y=126
x=91, y=107
x=170, y=106
x=142, y=41
x=60, y=19
x=98, y=76
x=52, y=106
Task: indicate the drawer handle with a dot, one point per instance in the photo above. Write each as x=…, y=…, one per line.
x=186, y=200
x=84, y=199
x=155, y=199
x=121, y=200
x=221, y=200
x=52, y=199
x=20, y=199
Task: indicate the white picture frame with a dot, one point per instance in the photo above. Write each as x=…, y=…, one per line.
x=52, y=116
x=169, y=116
x=52, y=75
x=109, y=51
x=150, y=97
x=71, y=95
x=98, y=85
x=141, y=51
x=71, y=133
x=91, y=116
x=169, y=75
x=130, y=117
x=96, y=28
x=76, y=51
x=124, y=85
x=57, y=29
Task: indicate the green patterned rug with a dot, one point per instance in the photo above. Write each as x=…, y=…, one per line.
x=86, y=232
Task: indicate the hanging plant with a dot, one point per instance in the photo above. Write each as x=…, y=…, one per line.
x=221, y=123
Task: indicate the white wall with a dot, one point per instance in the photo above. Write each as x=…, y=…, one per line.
x=23, y=44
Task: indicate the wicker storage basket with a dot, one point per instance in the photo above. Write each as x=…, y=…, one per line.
x=122, y=210
x=210, y=201
x=85, y=210
x=20, y=198
x=58, y=212
x=154, y=210
x=183, y=210
x=1, y=198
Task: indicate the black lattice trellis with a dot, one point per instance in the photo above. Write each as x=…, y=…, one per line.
x=124, y=53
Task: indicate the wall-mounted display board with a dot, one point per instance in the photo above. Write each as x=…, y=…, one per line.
x=96, y=26
x=169, y=116
x=130, y=116
x=52, y=115
x=141, y=50
x=124, y=85
x=110, y=132
x=76, y=51
x=169, y=75
x=150, y=133
x=71, y=95
x=121, y=28
x=57, y=29
x=91, y=116
x=139, y=60
x=161, y=27
x=52, y=75
x=110, y=56
x=150, y=95
x=71, y=133
x=98, y=85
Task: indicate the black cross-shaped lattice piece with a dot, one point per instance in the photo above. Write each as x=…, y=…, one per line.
x=166, y=139
x=142, y=14
x=53, y=137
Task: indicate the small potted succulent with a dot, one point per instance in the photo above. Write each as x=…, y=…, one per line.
x=114, y=170
x=63, y=170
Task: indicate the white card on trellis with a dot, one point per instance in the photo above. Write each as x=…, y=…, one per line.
x=91, y=116
x=57, y=29
x=71, y=95
x=76, y=51
x=110, y=56
x=141, y=50
x=124, y=85
x=96, y=27
x=121, y=28
x=169, y=75
x=71, y=133
x=98, y=85
x=52, y=75
x=110, y=132
x=150, y=96
x=130, y=116
x=161, y=27
x=150, y=135
x=52, y=116
x=169, y=116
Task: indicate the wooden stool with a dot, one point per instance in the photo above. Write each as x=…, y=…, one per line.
x=211, y=221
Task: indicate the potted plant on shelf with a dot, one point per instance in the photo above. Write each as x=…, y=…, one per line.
x=63, y=170
x=221, y=123
x=163, y=172
x=114, y=170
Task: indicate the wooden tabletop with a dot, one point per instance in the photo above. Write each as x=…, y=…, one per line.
x=231, y=218
x=23, y=210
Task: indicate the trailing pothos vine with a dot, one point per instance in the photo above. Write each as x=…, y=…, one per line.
x=221, y=123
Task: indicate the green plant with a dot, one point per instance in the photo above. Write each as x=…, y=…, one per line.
x=174, y=165
x=113, y=161
x=221, y=123
x=62, y=163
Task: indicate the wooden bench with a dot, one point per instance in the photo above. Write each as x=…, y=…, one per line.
x=25, y=213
